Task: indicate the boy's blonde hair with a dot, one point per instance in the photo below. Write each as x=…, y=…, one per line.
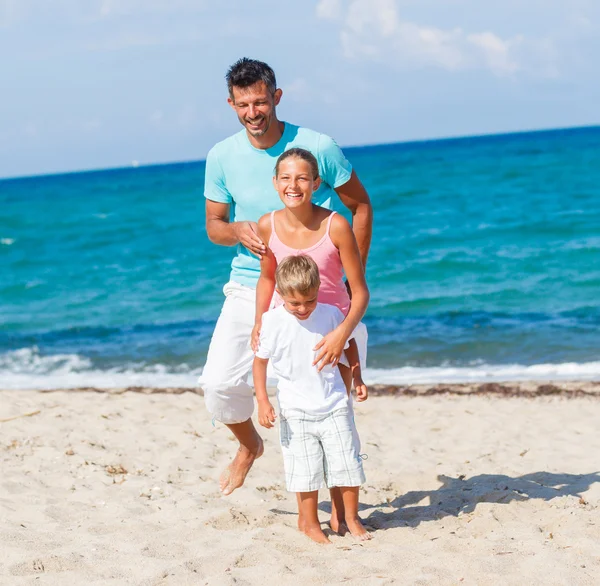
x=297, y=274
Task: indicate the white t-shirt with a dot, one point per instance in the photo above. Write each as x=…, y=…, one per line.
x=288, y=342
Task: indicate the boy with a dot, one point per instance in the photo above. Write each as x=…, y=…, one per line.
x=318, y=435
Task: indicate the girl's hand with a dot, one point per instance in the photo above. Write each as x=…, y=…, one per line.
x=362, y=392
x=330, y=349
x=255, y=337
x=266, y=414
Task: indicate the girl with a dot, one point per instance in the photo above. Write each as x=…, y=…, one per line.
x=304, y=228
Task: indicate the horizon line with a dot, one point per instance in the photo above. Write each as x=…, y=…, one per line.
x=451, y=138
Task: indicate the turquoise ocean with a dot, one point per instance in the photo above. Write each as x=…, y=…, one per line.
x=485, y=265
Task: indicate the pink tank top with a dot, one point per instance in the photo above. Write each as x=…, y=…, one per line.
x=333, y=290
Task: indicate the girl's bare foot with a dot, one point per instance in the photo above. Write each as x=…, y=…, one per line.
x=357, y=529
x=234, y=475
x=316, y=534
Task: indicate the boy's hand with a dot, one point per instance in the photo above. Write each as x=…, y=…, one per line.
x=266, y=414
x=362, y=392
x=330, y=349
x=255, y=337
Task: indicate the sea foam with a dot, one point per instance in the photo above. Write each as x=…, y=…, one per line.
x=27, y=369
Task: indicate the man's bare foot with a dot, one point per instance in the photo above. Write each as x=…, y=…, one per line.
x=338, y=525
x=316, y=534
x=234, y=475
x=357, y=529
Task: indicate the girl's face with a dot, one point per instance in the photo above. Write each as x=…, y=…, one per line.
x=294, y=182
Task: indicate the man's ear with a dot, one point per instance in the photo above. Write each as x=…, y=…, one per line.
x=277, y=96
x=231, y=102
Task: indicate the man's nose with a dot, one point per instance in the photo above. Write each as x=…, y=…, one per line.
x=251, y=110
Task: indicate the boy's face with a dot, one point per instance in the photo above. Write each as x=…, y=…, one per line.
x=299, y=305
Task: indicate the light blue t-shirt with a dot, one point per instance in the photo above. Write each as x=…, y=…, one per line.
x=241, y=175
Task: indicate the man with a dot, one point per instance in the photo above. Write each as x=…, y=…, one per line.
x=238, y=191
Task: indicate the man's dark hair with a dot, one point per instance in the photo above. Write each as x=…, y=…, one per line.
x=246, y=72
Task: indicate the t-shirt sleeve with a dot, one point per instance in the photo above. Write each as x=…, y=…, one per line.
x=214, y=180
x=334, y=167
x=266, y=344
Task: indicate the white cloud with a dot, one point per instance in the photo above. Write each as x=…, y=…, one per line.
x=329, y=9
x=374, y=30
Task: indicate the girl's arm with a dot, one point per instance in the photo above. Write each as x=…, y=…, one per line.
x=332, y=345
x=266, y=282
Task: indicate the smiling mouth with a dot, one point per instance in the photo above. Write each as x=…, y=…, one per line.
x=293, y=195
x=256, y=123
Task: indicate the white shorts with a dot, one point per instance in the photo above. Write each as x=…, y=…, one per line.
x=228, y=395
x=320, y=450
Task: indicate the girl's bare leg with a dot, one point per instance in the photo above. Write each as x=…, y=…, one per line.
x=307, y=509
x=338, y=514
x=355, y=526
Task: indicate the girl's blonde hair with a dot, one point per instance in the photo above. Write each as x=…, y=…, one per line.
x=302, y=154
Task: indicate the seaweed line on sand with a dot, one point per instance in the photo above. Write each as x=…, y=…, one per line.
x=531, y=389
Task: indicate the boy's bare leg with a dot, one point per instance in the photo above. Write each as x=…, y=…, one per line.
x=251, y=447
x=307, y=510
x=337, y=521
x=355, y=526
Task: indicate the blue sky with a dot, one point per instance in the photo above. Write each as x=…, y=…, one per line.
x=101, y=83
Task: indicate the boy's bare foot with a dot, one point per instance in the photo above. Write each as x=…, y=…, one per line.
x=316, y=534
x=358, y=530
x=338, y=525
x=234, y=475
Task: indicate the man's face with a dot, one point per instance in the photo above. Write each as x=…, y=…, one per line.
x=255, y=107
x=300, y=306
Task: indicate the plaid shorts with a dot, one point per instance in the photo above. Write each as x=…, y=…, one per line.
x=320, y=450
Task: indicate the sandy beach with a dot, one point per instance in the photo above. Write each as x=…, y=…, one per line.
x=466, y=484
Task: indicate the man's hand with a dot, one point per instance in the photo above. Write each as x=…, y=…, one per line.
x=330, y=349
x=247, y=234
x=266, y=414
x=255, y=337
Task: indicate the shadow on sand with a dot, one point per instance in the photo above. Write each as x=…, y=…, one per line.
x=462, y=495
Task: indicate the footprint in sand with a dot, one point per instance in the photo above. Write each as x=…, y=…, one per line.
x=50, y=564
x=235, y=519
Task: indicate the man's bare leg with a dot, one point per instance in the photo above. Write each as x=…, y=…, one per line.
x=307, y=511
x=251, y=447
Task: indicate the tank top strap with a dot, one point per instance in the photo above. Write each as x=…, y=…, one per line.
x=329, y=221
x=273, y=222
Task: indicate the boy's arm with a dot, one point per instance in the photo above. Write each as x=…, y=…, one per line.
x=266, y=413
x=266, y=282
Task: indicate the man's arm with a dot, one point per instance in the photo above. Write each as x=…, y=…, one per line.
x=355, y=197
x=221, y=231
